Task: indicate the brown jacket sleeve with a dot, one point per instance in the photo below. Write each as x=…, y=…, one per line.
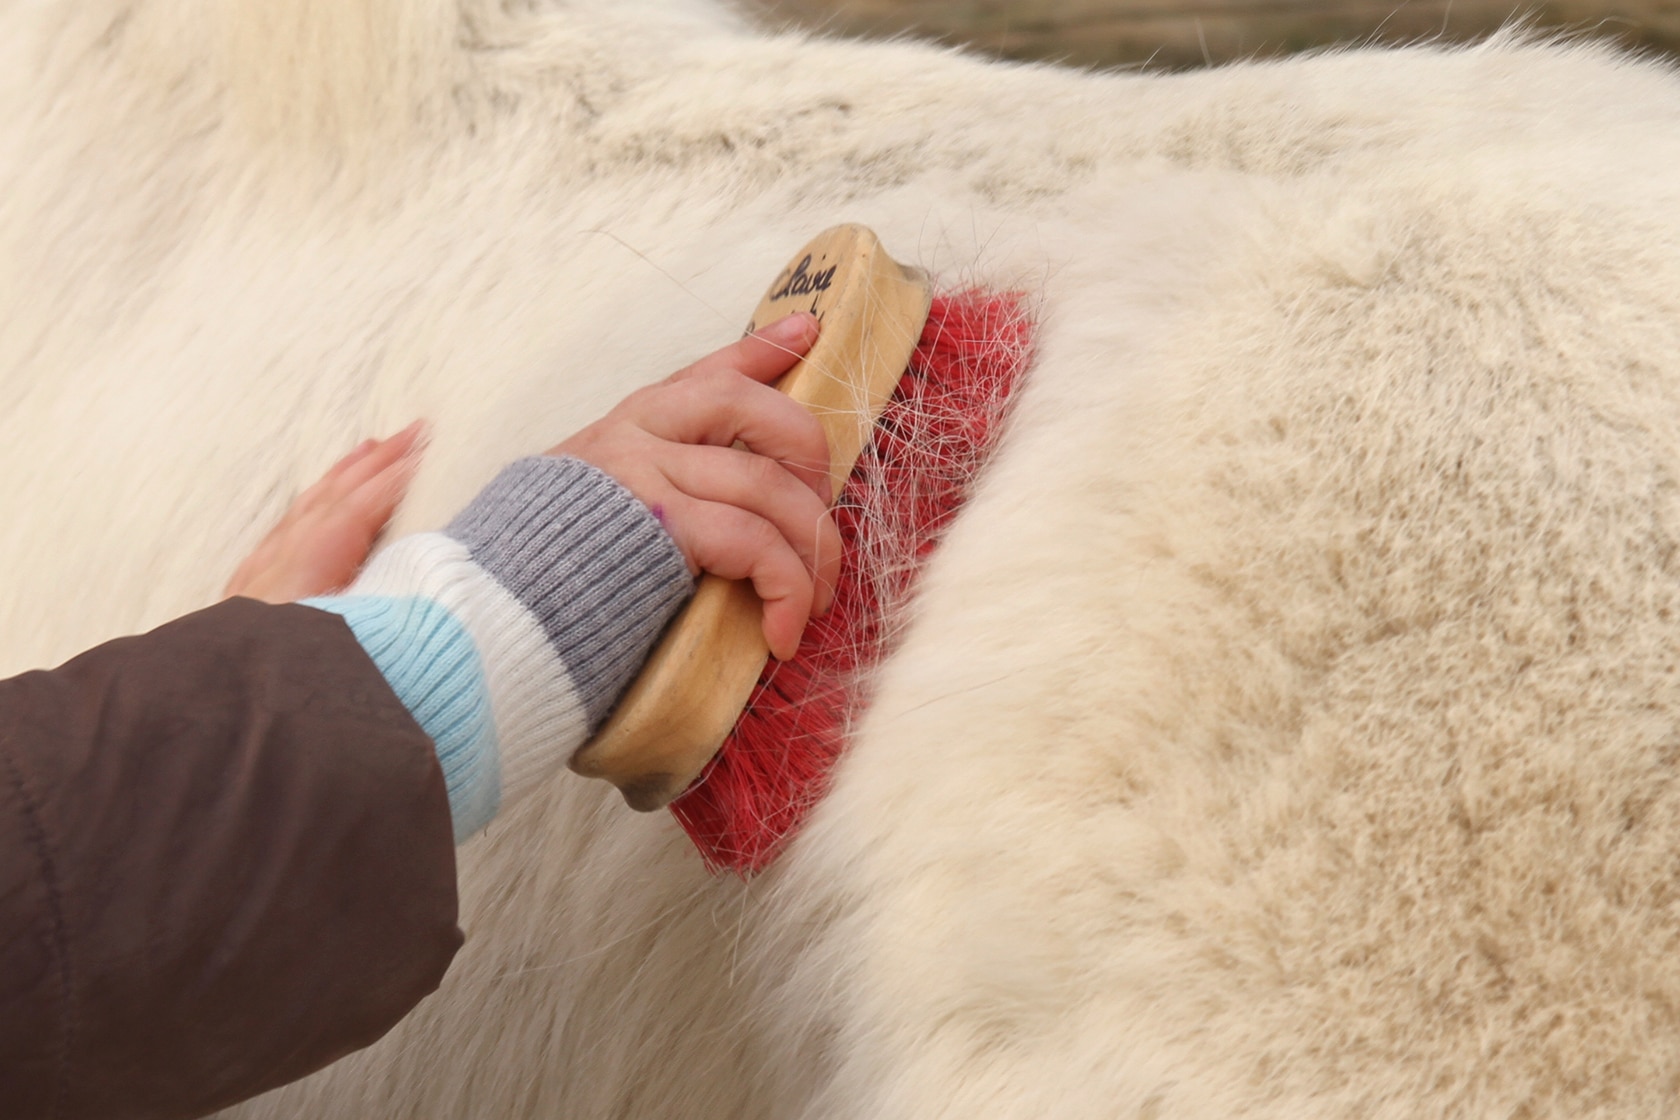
x=225, y=861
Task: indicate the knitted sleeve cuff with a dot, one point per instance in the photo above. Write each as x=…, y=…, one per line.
x=539, y=603
x=432, y=665
x=586, y=559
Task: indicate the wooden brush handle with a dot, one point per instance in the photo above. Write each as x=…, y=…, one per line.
x=680, y=709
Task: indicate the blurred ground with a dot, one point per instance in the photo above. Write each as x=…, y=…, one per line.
x=1185, y=33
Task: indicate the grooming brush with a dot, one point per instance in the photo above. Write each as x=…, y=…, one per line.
x=912, y=392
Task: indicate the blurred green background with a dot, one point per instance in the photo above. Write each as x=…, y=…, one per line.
x=1175, y=34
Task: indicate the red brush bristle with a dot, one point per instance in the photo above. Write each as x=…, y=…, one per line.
x=929, y=445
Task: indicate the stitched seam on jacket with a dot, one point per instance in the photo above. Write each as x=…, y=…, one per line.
x=36, y=835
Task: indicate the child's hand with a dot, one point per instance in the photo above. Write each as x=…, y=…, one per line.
x=760, y=513
x=325, y=537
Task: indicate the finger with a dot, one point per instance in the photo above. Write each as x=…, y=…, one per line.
x=724, y=407
x=762, y=487
x=355, y=455
x=734, y=544
x=377, y=459
x=763, y=355
x=339, y=478
x=372, y=504
x=325, y=484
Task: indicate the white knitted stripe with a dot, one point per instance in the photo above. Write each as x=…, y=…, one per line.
x=540, y=717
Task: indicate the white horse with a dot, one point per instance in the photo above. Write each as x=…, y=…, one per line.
x=1287, y=729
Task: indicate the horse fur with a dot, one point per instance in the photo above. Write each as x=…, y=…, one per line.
x=1288, y=728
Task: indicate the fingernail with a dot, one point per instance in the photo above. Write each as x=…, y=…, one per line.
x=791, y=329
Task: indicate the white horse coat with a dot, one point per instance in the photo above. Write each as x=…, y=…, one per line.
x=1289, y=727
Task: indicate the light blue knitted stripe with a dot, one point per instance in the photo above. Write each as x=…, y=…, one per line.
x=431, y=663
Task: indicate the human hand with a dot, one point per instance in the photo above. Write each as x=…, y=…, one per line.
x=758, y=513
x=324, y=539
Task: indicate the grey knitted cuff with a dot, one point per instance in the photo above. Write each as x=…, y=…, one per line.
x=587, y=559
